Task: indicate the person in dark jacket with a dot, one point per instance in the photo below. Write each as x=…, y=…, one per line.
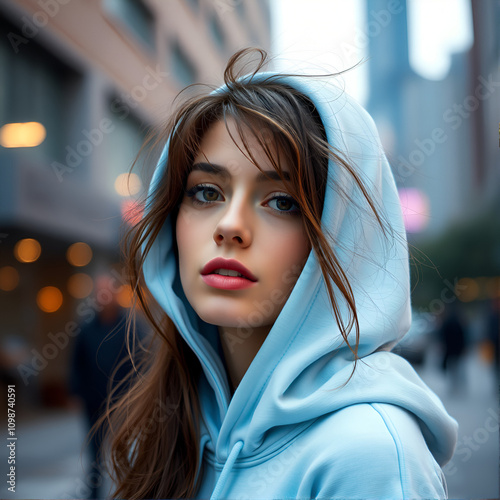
x=453, y=338
x=100, y=362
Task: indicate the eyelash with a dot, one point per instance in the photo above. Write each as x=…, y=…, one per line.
x=201, y=187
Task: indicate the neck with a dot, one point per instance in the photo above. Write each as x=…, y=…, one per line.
x=240, y=345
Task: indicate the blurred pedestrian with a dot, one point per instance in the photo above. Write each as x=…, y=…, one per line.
x=494, y=333
x=453, y=338
x=99, y=350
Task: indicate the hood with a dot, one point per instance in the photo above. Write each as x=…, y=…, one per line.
x=299, y=372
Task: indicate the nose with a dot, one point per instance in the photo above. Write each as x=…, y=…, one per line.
x=235, y=225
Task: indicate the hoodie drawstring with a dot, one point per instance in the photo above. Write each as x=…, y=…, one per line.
x=226, y=470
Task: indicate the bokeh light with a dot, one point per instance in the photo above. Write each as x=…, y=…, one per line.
x=22, y=135
x=415, y=206
x=125, y=296
x=493, y=287
x=49, y=299
x=80, y=285
x=27, y=250
x=467, y=289
x=79, y=254
x=128, y=184
x=9, y=278
x=132, y=212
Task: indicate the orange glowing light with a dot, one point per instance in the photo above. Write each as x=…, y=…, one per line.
x=9, y=278
x=27, y=250
x=80, y=285
x=467, y=289
x=22, y=135
x=493, y=287
x=79, y=254
x=49, y=299
x=125, y=296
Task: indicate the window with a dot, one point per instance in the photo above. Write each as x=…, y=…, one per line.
x=135, y=16
x=36, y=87
x=123, y=144
x=217, y=33
x=181, y=67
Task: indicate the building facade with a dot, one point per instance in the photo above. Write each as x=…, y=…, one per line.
x=82, y=82
x=441, y=136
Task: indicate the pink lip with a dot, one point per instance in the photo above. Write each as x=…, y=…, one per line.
x=231, y=264
x=226, y=282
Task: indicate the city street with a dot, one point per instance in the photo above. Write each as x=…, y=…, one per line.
x=377, y=120
x=51, y=465
x=474, y=470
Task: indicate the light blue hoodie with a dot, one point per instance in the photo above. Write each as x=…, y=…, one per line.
x=292, y=429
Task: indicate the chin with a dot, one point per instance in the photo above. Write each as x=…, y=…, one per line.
x=213, y=318
x=223, y=316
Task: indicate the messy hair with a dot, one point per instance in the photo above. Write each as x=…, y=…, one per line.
x=153, y=428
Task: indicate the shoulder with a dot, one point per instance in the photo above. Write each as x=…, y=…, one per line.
x=372, y=451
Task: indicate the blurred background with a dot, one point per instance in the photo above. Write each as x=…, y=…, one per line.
x=82, y=82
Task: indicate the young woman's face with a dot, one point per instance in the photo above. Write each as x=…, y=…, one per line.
x=230, y=212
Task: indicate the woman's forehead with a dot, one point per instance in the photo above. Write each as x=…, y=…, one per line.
x=225, y=140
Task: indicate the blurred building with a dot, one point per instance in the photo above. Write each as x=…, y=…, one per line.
x=441, y=136
x=81, y=83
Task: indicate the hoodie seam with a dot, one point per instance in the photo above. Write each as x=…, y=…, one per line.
x=397, y=443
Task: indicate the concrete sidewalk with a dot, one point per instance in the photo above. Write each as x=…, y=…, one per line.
x=50, y=460
x=473, y=471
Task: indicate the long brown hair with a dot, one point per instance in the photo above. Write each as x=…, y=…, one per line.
x=152, y=427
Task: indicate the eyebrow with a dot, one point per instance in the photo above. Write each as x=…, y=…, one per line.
x=213, y=168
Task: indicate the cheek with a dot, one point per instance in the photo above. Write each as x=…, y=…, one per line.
x=186, y=232
x=290, y=251
x=188, y=225
x=298, y=245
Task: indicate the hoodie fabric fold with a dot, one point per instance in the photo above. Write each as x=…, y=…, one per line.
x=297, y=426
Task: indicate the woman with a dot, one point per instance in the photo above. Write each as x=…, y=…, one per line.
x=273, y=245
